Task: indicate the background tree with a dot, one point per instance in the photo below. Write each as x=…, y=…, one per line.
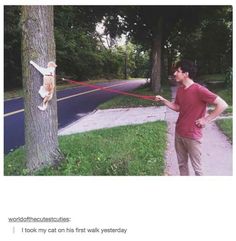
x=144, y=25
x=171, y=32
x=208, y=41
x=150, y=26
x=12, y=48
x=41, y=127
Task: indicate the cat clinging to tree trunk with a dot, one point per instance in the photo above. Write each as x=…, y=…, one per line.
x=47, y=89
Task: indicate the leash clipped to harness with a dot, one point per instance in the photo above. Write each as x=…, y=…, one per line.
x=145, y=97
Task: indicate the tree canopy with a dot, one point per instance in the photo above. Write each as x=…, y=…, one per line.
x=182, y=32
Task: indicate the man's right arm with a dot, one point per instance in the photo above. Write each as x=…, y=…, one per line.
x=171, y=105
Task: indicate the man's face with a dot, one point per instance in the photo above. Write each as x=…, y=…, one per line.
x=180, y=76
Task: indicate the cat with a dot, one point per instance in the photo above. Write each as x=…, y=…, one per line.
x=46, y=91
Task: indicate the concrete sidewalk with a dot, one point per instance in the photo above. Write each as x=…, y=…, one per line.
x=216, y=150
x=100, y=119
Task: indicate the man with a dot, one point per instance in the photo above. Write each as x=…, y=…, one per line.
x=191, y=102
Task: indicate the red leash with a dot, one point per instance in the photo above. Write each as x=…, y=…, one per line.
x=145, y=97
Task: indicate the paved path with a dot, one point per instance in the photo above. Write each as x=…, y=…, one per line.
x=216, y=150
x=115, y=117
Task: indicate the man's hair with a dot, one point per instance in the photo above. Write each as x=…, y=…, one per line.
x=187, y=66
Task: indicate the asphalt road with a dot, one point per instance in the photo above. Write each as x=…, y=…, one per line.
x=73, y=104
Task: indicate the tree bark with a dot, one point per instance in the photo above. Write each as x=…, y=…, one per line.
x=164, y=64
x=156, y=57
x=41, y=127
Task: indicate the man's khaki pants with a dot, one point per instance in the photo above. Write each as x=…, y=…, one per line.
x=186, y=147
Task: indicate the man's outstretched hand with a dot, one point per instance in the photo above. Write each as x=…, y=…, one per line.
x=159, y=98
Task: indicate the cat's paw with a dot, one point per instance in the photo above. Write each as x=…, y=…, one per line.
x=42, y=107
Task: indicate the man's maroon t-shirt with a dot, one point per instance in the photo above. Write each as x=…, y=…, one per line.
x=192, y=102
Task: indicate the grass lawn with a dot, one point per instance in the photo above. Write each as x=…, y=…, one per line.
x=124, y=101
x=226, y=125
x=226, y=94
x=11, y=94
x=212, y=77
x=127, y=150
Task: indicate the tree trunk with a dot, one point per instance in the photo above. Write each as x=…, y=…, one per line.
x=164, y=66
x=41, y=127
x=126, y=63
x=156, y=57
